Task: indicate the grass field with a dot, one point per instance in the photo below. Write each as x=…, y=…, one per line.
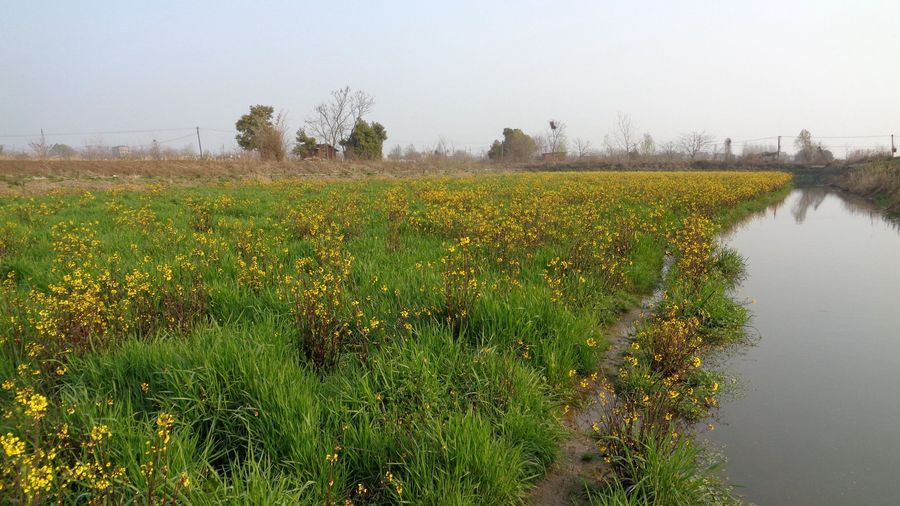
x=366, y=342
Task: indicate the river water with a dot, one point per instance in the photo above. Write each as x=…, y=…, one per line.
x=816, y=416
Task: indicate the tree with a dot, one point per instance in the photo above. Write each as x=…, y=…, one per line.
x=694, y=143
x=305, y=146
x=516, y=147
x=582, y=147
x=623, y=135
x=729, y=154
x=249, y=126
x=272, y=142
x=62, y=151
x=648, y=146
x=40, y=148
x=365, y=141
x=556, y=137
x=805, y=149
x=333, y=121
x=669, y=151
x=411, y=153
x=396, y=153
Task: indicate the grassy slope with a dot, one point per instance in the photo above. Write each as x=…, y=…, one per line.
x=878, y=181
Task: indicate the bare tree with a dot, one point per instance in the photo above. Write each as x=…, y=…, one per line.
x=624, y=136
x=360, y=104
x=442, y=148
x=669, y=151
x=396, y=154
x=95, y=149
x=542, y=145
x=694, y=143
x=41, y=148
x=332, y=121
x=556, y=137
x=411, y=153
x=582, y=147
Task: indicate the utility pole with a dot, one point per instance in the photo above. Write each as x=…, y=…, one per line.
x=778, y=155
x=198, y=143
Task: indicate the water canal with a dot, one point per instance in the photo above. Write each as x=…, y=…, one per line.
x=816, y=415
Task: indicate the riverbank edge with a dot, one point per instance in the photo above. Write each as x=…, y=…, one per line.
x=877, y=182
x=573, y=468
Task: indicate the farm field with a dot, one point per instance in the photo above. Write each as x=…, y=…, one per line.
x=356, y=342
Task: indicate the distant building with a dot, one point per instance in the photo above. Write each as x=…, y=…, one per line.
x=121, y=151
x=324, y=152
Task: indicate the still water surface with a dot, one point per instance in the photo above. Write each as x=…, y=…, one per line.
x=816, y=420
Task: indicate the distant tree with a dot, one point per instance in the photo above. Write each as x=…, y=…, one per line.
x=411, y=153
x=442, y=148
x=515, y=147
x=41, y=148
x=250, y=125
x=729, y=154
x=582, y=147
x=365, y=141
x=669, y=151
x=272, y=139
x=304, y=145
x=95, y=149
x=648, y=146
x=1, y=149
x=62, y=151
x=396, y=153
x=624, y=137
x=541, y=143
x=556, y=137
x=694, y=143
x=334, y=121
x=806, y=151
x=823, y=155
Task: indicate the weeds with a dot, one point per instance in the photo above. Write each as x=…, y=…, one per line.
x=289, y=342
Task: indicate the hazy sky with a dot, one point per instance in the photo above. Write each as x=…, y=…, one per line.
x=462, y=70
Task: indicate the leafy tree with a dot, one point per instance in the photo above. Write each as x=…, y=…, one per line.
x=806, y=151
x=62, y=151
x=251, y=125
x=516, y=147
x=365, y=141
x=305, y=145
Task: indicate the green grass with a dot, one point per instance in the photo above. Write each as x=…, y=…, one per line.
x=418, y=410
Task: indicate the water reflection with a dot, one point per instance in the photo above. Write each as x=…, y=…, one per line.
x=817, y=418
x=809, y=197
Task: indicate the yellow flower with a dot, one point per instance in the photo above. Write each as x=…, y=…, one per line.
x=99, y=432
x=12, y=445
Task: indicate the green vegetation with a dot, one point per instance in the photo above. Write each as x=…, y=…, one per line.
x=371, y=342
x=365, y=141
x=878, y=181
x=515, y=147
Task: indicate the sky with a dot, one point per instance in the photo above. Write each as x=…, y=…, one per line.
x=460, y=70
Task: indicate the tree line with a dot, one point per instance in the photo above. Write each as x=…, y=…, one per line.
x=337, y=124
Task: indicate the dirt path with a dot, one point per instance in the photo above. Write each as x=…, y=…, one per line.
x=579, y=461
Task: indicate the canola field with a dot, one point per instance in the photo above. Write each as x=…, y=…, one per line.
x=370, y=342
